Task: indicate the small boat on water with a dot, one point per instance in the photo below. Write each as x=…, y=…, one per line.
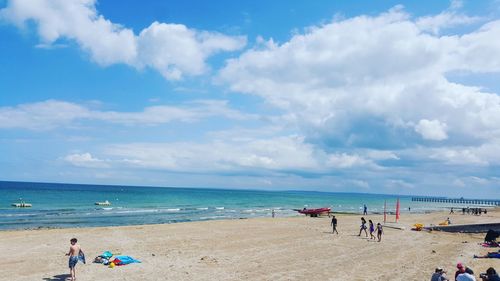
x=22, y=204
x=105, y=203
x=313, y=212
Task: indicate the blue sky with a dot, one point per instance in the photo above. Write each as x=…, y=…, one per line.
x=365, y=96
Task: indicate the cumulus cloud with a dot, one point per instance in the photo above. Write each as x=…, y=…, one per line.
x=431, y=129
x=172, y=49
x=376, y=82
x=51, y=114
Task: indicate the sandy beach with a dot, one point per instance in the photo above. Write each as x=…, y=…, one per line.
x=296, y=248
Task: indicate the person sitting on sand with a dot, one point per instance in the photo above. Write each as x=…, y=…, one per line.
x=372, y=229
x=379, y=232
x=464, y=273
x=75, y=253
x=334, y=225
x=491, y=275
x=448, y=221
x=363, y=227
x=439, y=275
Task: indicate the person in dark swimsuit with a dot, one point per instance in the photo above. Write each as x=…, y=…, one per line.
x=379, y=232
x=334, y=225
x=363, y=227
x=372, y=229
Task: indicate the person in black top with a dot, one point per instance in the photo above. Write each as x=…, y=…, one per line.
x=334, y=224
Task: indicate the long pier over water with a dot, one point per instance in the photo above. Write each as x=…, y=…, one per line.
x=490, y=202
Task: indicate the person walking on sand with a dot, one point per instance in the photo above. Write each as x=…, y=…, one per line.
x=363, y=227
x=75, y=253
x=372, y=229
x=273, y=213
x=365, y=210
x=379, y=232
x=334, y=225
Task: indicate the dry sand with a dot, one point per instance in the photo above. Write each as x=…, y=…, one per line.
x=295, y=248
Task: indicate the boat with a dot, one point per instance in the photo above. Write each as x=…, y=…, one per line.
x=105, y=203
x=22, y=204
x=314, y=212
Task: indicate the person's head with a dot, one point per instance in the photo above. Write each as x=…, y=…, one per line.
x=460, y=267
x=491, y=271
x=73, y=241
x=370, y=221
x=333, y=216
x=378, y=223
x=439, y=270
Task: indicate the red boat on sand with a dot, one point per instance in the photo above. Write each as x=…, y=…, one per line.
x=314, y=212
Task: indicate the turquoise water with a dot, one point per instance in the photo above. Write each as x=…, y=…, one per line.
x=72, y=205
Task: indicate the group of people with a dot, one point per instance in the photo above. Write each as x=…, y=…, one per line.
x=474, y=211
x=363, y=227
x=464, y=273
x=372, y=229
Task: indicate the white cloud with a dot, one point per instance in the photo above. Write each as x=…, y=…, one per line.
x=278, y=154
x=372, y=80
x=431, y=129
x=172, y=49
x=51, y=114
x=85, y=160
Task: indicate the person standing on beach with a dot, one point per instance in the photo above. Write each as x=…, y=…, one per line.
x=75, y=253
x=273, y=213
x=363, y=227
x=451, y=211
x=379, y=232
x=372, y=229
x=365, y=210
x=334, y=225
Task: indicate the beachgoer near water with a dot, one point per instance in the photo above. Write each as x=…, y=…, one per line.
x=273, y=213
x=464, y=273
x=490, y=275
x=409, y=209
x=334, y=224
x=451, y=211
x=439, y=275
x=363, y=227
x=365, y=210
x=372, y=229
x=75, y=253
x=379, y=232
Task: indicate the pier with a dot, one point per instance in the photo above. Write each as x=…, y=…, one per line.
x=488, y=202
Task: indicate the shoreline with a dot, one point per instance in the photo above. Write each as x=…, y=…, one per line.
x=289, y=248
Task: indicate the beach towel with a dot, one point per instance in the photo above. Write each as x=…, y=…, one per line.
x=123, y=260
x=106, y=255
x=81, y=257
x=490, y=244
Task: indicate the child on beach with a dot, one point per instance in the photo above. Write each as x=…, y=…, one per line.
x=372, y=229
x=363, y=227
x=379, y=232
x=75, y=253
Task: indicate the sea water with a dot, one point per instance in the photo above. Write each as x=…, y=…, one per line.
x=73, y=205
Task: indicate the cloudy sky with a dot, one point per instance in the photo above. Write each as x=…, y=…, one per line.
x=350, y=96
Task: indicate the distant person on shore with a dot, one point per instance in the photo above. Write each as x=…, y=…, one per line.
x=75, y=253
x=451, y=211
x=448, y=221
x=365, y=210
x=439, y=275
x=379, y=232
x=372, y=229
x=463, y=211
x=273, y=213
x=363, y=227
x=334, y=225
x=464, y=273
x=490, y=275
x=409, y=209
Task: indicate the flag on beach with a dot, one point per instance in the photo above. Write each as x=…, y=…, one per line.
x=397, y=210
x=385, y=214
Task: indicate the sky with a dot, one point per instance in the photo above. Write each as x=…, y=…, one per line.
x=349, y=96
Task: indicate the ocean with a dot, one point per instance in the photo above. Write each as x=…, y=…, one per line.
x=72, y=205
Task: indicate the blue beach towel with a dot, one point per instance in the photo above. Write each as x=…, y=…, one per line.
x=106, y=255
x=126, y=260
